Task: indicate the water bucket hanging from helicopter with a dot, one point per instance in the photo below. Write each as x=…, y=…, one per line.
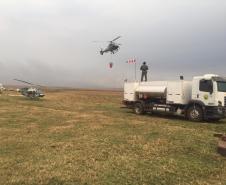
x=111, y=65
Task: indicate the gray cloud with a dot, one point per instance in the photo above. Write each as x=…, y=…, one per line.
x=50, y=41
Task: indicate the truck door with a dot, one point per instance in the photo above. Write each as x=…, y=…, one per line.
x=206, y=92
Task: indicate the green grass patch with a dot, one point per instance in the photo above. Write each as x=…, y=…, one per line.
x=84, y=137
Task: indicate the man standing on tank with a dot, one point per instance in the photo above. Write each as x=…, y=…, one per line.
x=144, y=69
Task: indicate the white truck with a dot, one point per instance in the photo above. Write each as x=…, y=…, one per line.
x=203, y=98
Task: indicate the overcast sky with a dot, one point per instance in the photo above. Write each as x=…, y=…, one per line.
x=50, y=41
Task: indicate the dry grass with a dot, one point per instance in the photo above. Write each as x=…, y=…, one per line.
x=84, y=137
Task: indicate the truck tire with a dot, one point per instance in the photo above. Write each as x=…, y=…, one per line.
x=139, y=109
x=195, y=113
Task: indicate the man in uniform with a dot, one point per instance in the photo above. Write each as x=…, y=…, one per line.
x=144, y=69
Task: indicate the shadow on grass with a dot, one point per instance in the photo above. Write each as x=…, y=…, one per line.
x=31, y=99
x=175, y=117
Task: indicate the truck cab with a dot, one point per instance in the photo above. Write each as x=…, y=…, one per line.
x=209, y=91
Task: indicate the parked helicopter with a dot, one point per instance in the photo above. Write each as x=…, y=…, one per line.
x=32, y=91
x=112, y=46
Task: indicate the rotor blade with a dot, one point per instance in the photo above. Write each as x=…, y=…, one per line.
x=27, y=82
x=116, y=38
x=23, y=81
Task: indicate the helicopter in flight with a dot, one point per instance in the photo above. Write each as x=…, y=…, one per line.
x=112, y=46
x=30, y=92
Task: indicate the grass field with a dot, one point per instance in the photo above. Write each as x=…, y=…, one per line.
x=84, y=137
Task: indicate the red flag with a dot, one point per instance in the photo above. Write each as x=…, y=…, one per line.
x=131, y=61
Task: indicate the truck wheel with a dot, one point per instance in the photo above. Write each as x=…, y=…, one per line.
x=195, y=113
x=139, y=109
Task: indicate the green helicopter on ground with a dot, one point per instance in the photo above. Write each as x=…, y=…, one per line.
x=31, y=92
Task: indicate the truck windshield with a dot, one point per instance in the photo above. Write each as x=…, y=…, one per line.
x=221, y=86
